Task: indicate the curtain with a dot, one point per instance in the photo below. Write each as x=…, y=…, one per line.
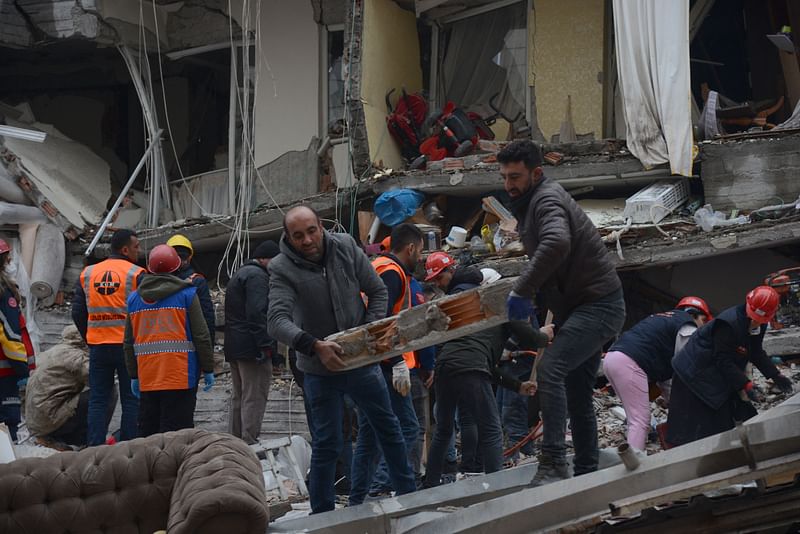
x=652, y=46
x=486, y=55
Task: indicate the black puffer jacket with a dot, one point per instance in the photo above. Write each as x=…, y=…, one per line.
x=568, y=261
x=246, y=305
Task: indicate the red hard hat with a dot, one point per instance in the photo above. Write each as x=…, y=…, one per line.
x=4, y=247
x=163, y=259
x=696, y=303
x=436, y=263
x=762, y=304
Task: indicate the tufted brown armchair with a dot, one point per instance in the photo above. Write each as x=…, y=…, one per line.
x=191, y=481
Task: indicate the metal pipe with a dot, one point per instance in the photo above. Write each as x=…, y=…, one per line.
x=153, y=142
x=628, y=456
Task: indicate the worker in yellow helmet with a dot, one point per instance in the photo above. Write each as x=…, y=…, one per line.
x=185, y=251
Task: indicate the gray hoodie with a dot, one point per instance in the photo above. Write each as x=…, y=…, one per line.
x=309, y=301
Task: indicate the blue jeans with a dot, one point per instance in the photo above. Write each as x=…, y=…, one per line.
x=513, y=406
x=104, y=361
x=367, y=387
x=367, y=453
x=566, y=377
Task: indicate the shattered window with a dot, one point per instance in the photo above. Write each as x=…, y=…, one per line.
x=485, y=60
x=335, y=83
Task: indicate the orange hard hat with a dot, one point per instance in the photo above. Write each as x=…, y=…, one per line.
x=4, y=247
x=386, y=244
x=697, y=303
x=762, y=304
x=436, y=263
x=163, y=260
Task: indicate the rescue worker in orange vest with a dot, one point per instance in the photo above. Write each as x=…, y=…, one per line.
x=16, y=351
x=99, y=312
x=185, y=251
x=395, y=269
x=167, y=344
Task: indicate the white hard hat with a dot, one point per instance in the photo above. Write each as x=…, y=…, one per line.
x=490, y=276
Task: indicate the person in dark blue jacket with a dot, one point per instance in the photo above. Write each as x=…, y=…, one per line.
x=644, y=354
x=709, y=385
x=185, y=250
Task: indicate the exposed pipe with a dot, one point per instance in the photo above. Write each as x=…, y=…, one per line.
x=153, y=142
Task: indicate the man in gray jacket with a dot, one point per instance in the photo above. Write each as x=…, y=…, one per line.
x=571, y=267
x=315, y=290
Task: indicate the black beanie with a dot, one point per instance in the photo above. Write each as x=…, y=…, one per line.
x=267, y=249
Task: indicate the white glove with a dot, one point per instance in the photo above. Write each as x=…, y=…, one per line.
x=401, y=378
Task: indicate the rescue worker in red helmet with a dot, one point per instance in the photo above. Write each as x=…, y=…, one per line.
x=644, y=354
x=443, y=270
x=709, y=383
x=16, y=351
x=167, y=345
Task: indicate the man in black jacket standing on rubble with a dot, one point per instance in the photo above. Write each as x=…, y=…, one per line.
x=248, y=346
x=570, y=265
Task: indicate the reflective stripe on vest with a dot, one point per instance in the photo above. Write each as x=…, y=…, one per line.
x=162, y=346
x=382, y=264
x=165, y=353
x=107, y=285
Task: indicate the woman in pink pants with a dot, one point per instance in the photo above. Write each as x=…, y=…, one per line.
x=644, y=354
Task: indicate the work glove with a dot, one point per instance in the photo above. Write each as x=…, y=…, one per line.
x=135, y=387
x=209, y=380
x=22, y=382
x=519, y=308
x=753, y=393
x=783, y=383
x=401, y=378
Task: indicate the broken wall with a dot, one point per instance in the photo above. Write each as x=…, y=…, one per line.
x=25, y=22
x=567, y=59
x=71, y=177
x=390, y=59
x=723, y=281
x=287, y=105
x=751, y=174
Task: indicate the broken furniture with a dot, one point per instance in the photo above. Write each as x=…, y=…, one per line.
x=425, y=325
x=191, y=481
x=264, y=449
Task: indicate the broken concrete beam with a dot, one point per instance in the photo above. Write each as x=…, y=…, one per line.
x=751, y=174
x=783, y=342
x=664, y=252
x=425, y=325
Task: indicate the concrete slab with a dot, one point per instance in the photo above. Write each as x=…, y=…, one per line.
x=616, y=173
x=662, y=252
x=751, y=174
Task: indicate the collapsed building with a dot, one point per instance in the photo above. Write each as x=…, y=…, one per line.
x=211, y=117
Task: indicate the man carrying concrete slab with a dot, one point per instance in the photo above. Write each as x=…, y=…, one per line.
x=570, y=266
x=315, y=290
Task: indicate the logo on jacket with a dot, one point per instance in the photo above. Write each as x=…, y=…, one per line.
x=108, y=283
x=12, y=302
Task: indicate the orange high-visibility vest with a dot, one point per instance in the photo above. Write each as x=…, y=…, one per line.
x=381, y=265
x=107, y=285
x=166, y=358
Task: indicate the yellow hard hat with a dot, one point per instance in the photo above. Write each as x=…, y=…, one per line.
x=180, y=241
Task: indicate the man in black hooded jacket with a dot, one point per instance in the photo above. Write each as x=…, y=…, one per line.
x=248, y=346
